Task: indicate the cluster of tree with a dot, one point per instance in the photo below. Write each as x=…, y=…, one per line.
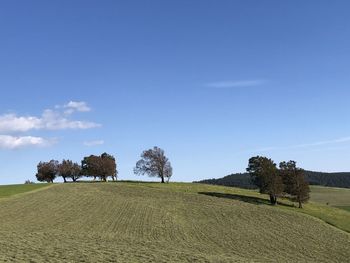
x=288, y=180
x=242, y=180
x=101, y=167
x=153, y=162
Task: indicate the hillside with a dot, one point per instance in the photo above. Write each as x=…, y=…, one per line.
x=9, y=190
x=314, y=178
x=149, y=222
x=337, y=197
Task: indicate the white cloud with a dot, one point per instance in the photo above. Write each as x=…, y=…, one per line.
x=13, y=142
x=12, y=123
x=58, y=119
x=49, y=120
x=72, y=106
x=94, y=143
x=53, y=120
x=236, y=84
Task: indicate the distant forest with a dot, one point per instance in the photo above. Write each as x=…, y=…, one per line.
x=243, y=180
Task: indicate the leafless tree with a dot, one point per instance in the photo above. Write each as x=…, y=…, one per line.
x=154, y=163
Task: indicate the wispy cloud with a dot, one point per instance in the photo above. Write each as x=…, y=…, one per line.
x=49, y=120
x=73, y=106
x=319, y=143
x=236, y=84
x=94, y=143
x=305, y=145
x=13, y=142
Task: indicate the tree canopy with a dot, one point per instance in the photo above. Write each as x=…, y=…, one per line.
x=47, y=171
x=294, y=182
x=102, y=166
x=68, y=169
x=266, y=177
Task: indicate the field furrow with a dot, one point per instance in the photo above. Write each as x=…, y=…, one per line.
x=126, y=222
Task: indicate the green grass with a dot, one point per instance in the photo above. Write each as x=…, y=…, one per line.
x=9, y=190
x=331, y=215
x=149, y=222
x=336, y=197
x=347, y=208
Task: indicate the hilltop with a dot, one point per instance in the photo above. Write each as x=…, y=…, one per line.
x=176, y=222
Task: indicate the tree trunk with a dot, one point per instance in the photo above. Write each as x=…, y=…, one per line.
x=64, y=179
x=162, y=179
x=74, y=179
x=300, y=204
x=273, y=199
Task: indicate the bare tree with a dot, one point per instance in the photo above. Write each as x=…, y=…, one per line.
x=154, y=163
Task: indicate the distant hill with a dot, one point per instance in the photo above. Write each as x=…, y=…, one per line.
x=314, y=178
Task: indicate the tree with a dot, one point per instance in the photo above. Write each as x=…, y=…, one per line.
x=294, y=181
x=265, y=176
x=154, y=163
x=47, y=171
x=68, y=169
x=109, y=165
x=90, y=166
x=100, y=166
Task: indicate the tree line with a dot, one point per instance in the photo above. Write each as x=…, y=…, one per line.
x=287, y=180
x=243, y=180
x=153, y=162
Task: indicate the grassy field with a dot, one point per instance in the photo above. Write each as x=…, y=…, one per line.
x=337, y=197
x=9, y=190
x=148, y=222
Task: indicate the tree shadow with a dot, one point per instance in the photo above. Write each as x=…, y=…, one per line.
x=97, y=181
x=243, y=198
x=139, y=182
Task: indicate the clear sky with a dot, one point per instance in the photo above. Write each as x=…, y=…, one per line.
x=211, y=82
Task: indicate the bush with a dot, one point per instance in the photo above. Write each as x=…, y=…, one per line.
x=28, y=182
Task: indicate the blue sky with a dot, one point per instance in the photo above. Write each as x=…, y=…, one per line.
x=211, y=82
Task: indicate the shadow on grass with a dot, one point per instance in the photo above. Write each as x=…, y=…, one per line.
x=139, y=182
x=117, y=181
x=243, y=198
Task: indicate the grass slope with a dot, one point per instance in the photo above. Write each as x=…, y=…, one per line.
x=337, y=197
x=147, y=222
x=9, y=190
